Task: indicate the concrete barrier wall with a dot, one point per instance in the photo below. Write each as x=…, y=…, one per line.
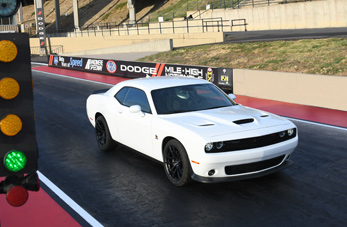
x=315, y=14
x=154, y=46
x=78, y=44
x=307, y=89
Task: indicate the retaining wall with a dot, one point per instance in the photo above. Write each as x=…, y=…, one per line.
x=78, y=44
x=306, y=89
x=315, y=14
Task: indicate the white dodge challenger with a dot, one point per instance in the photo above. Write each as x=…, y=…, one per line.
x=192, y=127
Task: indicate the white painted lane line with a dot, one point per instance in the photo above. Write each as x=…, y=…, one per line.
x=38, y=63
x=92, y=221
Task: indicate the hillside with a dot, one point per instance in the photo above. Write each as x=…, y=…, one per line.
x=95, y=11
x=313, y=56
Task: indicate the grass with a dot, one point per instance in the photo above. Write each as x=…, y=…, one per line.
x=313, y=56
x=120, y=6
x=178, y=10
x=106, y=16
x=117, y=7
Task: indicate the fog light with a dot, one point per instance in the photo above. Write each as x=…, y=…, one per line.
x=211, y=172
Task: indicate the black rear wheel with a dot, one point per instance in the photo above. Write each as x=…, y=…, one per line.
x=102, y=134
x=176, y=163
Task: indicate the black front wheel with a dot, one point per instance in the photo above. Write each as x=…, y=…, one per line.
x=102, y=134
x=176, y=163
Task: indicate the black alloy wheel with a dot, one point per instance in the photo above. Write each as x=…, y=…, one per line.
x=176, y=163
x=102, y=134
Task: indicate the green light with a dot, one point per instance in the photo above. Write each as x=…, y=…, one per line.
x=15, y=160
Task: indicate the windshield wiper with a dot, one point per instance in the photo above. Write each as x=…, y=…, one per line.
x=176, y=111
x=179, y=111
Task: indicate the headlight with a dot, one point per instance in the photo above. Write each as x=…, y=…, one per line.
x=282, y=134
x=219, y=145
x=208, y=146
x=290, y=132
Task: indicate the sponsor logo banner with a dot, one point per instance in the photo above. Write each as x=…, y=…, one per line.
x=225, y=76
x=218, y=76
x=95, y=65
x=111, y=66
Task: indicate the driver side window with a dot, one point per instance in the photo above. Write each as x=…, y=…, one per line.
x=129, y=96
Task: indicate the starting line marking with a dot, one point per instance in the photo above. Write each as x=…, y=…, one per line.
x=84, y=214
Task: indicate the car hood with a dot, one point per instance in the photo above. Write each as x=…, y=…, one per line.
x=222, y=121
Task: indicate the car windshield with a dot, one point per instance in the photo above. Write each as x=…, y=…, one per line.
x=189, y=98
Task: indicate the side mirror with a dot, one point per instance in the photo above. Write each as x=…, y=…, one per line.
x=136, y=109
x=232, y=96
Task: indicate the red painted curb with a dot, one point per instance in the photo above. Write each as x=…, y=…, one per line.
x=40, y=210
x=81, y=75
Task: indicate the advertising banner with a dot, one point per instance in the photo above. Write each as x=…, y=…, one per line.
x=129, y=69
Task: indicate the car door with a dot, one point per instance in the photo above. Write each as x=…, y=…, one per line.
x=135, y=128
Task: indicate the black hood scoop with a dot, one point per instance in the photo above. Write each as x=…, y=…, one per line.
x=243, y=121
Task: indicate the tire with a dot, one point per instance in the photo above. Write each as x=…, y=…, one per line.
x=176, y=163
x=102, y=135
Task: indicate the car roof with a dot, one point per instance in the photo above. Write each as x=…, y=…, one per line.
x=152, y=83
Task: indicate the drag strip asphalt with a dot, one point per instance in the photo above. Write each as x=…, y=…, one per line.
x=123, y=188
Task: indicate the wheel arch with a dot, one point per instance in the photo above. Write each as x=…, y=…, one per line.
x=186, y=174
x=165, y=141
x=97, y=114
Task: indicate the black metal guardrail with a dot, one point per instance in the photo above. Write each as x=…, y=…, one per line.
x=203, y=25
x=222, y=77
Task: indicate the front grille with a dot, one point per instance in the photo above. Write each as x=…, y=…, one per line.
x=253, y=142
x=253, y=167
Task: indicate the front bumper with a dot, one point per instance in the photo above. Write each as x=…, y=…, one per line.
x=243, y=164
x=202, y=179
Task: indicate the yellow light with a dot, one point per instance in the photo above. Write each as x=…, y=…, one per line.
x=8, y=51
x=9, y=88
x=11, y=125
